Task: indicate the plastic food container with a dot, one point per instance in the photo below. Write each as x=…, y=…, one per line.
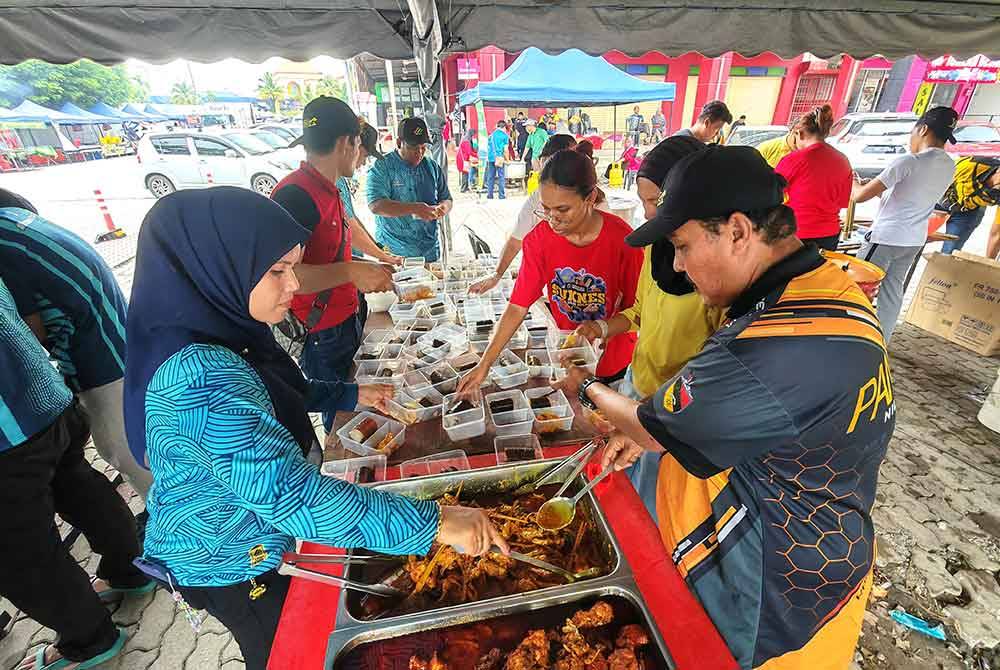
x=381, y=372
x=379, y=442
x=565, y=339
x=442, y=377
x=360, y=470
x=539, y=362
x=378, y=336
x=403, y=338
x=464, y=363
x=403, y=311
x=556, y=417
x=415, y=405
x=435, y=464
x=414, y=262
x=516, y=421
x=519, y=340
x=451, y=334
x=515, y=448
x=414, y=284
x=378, y=352
x=508, y=370
x=418, y=326
x=426, y=356
x=537, y=335
x=584, y=357
x=465, y=424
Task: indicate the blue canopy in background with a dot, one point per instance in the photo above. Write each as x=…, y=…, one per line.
x=72, y=110
x=135, y=111
x=537, y=79
x=32, y=111
x=102, y=109
x=172, y=112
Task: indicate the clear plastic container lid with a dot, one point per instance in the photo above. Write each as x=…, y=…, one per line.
x=435, y=464
x=515, y=448
x=471, y=415
x=416, y=405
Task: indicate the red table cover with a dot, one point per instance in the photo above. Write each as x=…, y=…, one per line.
x=310, y=609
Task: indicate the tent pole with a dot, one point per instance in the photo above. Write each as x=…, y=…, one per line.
x=614, y=132
x=394, y=123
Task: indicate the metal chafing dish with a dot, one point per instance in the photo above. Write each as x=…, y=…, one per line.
x=352, y=631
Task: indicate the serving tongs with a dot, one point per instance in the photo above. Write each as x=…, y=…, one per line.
x=290, y=566
x=583, y=455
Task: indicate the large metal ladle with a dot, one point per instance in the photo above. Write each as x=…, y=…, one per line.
x=559, y=511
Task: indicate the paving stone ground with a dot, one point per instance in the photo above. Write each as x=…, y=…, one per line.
x=937, y=520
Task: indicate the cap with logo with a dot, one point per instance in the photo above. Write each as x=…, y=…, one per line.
x=942, y=121
x=714, y=182
x=325, y=119
x=413, y=130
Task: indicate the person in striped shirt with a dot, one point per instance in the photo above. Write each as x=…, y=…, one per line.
x=65, y=290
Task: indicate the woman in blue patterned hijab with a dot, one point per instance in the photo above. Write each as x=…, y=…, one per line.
x=218, y=411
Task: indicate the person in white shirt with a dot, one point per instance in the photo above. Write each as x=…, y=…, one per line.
x=909, y=188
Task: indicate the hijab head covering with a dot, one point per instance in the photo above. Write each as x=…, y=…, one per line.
x=655, y=166
x=200, y=254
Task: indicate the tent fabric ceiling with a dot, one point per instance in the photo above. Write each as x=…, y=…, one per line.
x=207, y=30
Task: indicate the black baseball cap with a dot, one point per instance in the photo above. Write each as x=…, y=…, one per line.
x=714, y=182
x=369, y=140
x=413, y=130
x=325, y=119
x=942, y=121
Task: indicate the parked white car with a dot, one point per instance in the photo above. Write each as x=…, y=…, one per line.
x=752, y=136
x=185, y=159
x=871, y=141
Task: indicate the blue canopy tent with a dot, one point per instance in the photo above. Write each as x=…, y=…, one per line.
x=72, y=110
x=102, y=109
x=33, y=111
x=537, y=79
x=142, y=114
x=172, y=112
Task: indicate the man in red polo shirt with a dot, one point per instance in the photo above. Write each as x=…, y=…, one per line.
x=329, y=278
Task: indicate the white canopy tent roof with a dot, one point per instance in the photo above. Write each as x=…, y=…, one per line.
x=206, y=30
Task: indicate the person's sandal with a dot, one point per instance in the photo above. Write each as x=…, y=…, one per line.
x=113, y=595
x=62, y=663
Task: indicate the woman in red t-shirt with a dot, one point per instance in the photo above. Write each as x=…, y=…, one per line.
x=577, y=255
x=819, y=180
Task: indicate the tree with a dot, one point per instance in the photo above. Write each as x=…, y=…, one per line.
x=138, y=89
x=335, y=88
x=84, y=83
x=182, y=93
x=306, y=93
x=268, y=89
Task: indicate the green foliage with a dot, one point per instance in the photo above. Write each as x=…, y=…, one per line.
x=335, y=88
x=182, y=93
x=84, y=83
x=268, y=89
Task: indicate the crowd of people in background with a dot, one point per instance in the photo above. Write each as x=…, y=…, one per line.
x=188, y=393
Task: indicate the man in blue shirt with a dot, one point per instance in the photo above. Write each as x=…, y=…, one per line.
x=65, y=290
x=43, y=472
x=496, y=158
x=408, y=193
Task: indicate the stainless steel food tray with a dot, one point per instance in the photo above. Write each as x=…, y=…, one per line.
x=342, y=642
x=351, y=631
x=479, y=483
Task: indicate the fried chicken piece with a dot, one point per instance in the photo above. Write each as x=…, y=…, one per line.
x=491, y=565
x=623, y=659
x=491, y=661
x=531, y=654
x=600, y=614
x=631, y=636
x=451, y=586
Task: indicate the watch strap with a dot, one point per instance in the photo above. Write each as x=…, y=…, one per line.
x=582, y=392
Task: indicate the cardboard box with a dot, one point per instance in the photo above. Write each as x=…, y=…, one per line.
x=959, y=299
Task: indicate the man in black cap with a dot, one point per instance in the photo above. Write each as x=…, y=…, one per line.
x=714, y=115
x=408, y=194
x=769, y=440
x=910, y=187
x=329, y=279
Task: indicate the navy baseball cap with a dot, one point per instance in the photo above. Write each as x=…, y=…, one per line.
x=714, y=182
x=942, y=121
x=324, y=120
x=414, y=131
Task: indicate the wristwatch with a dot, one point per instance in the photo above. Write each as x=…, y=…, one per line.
x=581, y=394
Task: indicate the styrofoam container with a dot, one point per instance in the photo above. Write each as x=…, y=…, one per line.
x=350, y=469
x=515, y=422
x=508, y=370
x=515, y=448
x=463, y=425
x=435, y=464
x=380, y=301
x=559, y=406
x=401, y=409
x=385, y=426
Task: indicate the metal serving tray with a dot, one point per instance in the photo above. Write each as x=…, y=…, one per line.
x=482, y=482
x=346, y=645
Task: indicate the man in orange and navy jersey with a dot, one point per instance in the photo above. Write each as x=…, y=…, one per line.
x=759, y=461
